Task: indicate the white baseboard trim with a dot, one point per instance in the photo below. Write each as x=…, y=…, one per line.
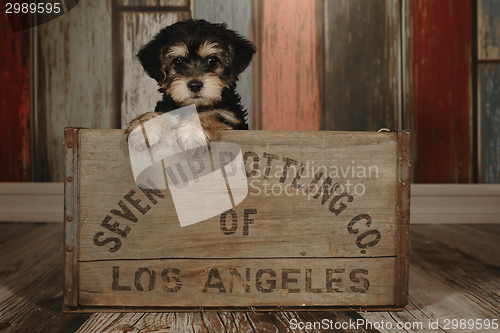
x=430, y=203
x=31, y=202
x=455, y=203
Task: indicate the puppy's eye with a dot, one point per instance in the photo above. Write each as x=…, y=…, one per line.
x=213, y=61
x=178, y=62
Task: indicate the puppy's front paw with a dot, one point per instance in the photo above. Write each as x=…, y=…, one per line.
x=151, y=125
x=190, y=135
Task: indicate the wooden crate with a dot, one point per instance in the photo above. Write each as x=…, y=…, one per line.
x=125, y=249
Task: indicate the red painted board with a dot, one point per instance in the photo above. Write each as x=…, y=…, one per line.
x=442, y=92
x=15, y=106
x=290, y=72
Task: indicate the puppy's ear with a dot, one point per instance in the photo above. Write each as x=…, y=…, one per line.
x=150, y=58
x=243, y=51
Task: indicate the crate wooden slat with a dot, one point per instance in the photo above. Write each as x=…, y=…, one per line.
x=286, y=250
x=199, y=275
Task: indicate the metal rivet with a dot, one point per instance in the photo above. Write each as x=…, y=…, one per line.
x=69, y=249
x=69, y=145
x=404, y=149
x=69, y=179
x=69, y=218
x=405, y=184
x=69, y=290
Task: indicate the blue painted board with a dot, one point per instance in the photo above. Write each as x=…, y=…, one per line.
x=237, y=14
x=489, y=112
x=488, y=22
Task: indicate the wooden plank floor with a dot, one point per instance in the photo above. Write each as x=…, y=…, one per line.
x=31, y=279
x=454, y=274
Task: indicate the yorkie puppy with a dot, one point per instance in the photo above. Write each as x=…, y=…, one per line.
x=196, y=62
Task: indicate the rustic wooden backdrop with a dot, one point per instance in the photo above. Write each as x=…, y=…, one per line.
x=431, y=67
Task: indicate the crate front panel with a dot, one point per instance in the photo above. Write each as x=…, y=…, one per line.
x=265, y=224
x=238, y=282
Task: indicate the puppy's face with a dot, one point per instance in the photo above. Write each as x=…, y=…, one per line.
x=196, y=73
x=193, y=61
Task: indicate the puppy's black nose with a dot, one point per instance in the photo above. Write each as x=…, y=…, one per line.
x=195, y=85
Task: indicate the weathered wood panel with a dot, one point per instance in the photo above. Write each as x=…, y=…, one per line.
x=489, y=122
x=15, y=157
x=140, y=92
x=488, y=29
x=291, y=65
x=442, y=91
x=284, y=221
x=74, y=85
x=238, y=16
x=238, y=282
x=362, y=65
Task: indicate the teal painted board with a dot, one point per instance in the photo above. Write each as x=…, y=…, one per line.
x=237, y=14
x=488, y=25
x=362, y=64
x=489, y=103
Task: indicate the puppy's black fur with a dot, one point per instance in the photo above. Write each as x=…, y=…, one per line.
x=197, y=62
